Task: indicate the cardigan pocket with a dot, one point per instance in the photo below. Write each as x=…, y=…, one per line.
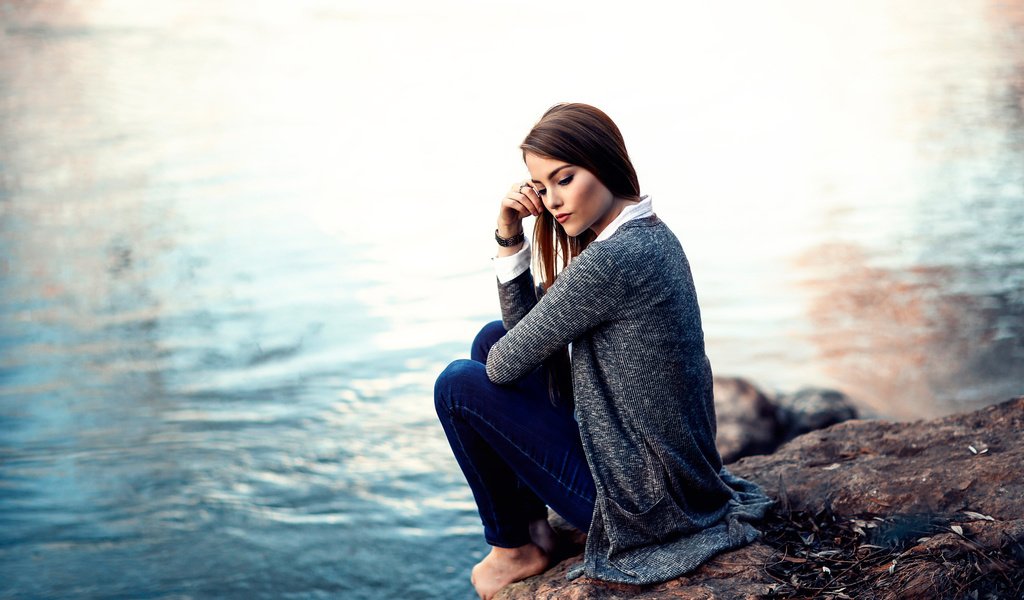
x=633, y=535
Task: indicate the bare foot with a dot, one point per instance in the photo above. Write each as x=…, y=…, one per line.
x=507, y=565
x=543, y=535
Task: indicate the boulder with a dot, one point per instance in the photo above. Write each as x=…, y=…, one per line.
x=969, y=461
x=752, y=422
x=923, y=509
x=809, y=409
x=747, y=420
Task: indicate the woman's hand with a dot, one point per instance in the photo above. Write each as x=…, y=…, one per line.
x=520, y=202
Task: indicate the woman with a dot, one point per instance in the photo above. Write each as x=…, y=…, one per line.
x=621, y=441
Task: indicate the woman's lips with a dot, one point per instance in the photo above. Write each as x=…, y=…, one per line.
x=562, y=217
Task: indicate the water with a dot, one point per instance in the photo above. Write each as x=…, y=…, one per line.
x=238, y=241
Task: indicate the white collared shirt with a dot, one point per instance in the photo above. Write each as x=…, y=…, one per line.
x=509, y=267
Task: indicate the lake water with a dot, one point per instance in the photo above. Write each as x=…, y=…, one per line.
x=239, y=240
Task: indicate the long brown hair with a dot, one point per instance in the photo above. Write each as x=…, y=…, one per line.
x=581, y=135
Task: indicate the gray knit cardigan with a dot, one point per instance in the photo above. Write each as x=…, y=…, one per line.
x=643, y=400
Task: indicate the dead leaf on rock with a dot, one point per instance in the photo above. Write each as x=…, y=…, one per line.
x=978, y=447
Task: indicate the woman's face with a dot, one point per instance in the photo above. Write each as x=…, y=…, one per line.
x=572, y=194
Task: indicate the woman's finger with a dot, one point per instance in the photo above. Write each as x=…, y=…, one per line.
x=517, y=202
x=524, y=192
x=534, y=198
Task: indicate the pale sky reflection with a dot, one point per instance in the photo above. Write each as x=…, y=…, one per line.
x=386, y=133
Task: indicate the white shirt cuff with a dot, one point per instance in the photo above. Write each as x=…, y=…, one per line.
x=509, y=267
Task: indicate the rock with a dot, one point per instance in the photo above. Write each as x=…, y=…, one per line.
x=751, y=422
x=925, y=471
x=720, y=577
x=810, y=409
x=883, y=467
x=747, y=420
x=854, y=470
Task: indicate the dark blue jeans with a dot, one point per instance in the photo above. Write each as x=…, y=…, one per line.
x=519, y=453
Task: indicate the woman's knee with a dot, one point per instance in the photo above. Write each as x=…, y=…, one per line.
x=485, y=338
x=454, y=380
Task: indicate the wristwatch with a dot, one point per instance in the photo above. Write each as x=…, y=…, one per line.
x=512, y=241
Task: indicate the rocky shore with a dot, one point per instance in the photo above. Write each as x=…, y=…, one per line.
x=867, y=508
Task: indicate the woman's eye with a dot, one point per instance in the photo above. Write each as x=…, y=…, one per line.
x=562, y=182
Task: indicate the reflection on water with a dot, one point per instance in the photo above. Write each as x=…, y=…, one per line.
x=920, y=332
x=238, y=242
x=929, y=318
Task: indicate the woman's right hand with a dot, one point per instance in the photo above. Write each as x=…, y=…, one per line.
x=520, y=202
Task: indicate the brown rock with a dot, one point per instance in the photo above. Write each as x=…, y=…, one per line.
x=751, y=422
x=858, y=468
x=746, y=419
x=885, y=467
x=734, y=575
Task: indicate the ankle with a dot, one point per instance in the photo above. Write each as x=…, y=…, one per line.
x=528, y=549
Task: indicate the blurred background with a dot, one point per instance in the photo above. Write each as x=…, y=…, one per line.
x=239, y=241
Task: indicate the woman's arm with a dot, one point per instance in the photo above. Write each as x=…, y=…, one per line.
x=516, y=292
x=587, y=292
x=512, y=265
